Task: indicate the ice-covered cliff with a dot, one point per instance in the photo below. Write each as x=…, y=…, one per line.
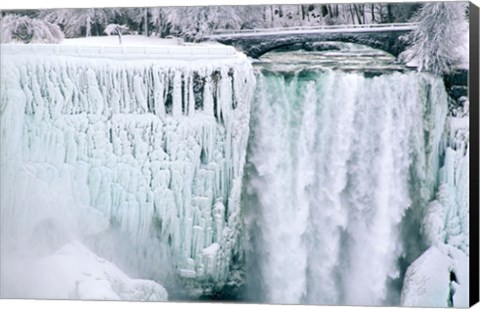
x=439, y=277
x=137, y=153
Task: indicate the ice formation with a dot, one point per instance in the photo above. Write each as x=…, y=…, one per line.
x=140, y=160
x=337, y=160
x=439, y=277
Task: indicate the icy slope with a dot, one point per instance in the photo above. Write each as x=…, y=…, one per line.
x=74, y=272
x=133, y=152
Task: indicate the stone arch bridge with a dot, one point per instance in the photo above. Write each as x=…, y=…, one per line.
x=256, y=42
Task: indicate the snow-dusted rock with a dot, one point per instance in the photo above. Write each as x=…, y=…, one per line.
x=438, y=278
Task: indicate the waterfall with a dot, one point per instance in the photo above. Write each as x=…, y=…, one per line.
x=335, y=160
x=320, y=186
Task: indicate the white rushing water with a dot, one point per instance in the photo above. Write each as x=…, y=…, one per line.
x=141, y=158
x=336, y=159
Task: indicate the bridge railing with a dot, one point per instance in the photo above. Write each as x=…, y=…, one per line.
x=319, y=27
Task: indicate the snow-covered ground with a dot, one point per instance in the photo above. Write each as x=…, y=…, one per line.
x=132, y=47
x=74, y=272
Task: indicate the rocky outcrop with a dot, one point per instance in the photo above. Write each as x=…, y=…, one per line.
x=456, y=83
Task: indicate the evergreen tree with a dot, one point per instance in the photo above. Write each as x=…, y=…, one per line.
x=439, y=33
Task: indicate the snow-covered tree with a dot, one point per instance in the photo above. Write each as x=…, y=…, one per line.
x=79, y=22
x=15, y=28
x=251, y=16
x=116, y=29
x=138, y=19
x=159, y=20
x=440, y=31
x=195, y=22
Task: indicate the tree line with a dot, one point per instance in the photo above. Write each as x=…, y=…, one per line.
x=433, y=45
x=193, y=23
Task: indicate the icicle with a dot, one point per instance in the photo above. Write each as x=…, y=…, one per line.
x=100, y=136
x=208, y=97
x=177, y=94
x=191, y=95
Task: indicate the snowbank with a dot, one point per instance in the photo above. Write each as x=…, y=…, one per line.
x=74, y=272
x=133, y=47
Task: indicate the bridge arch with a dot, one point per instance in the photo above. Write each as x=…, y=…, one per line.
x=255, y=43
x=266, y=49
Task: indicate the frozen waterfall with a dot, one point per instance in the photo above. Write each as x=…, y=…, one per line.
x=334, y=177
x=336, y=160
x=139, y=157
